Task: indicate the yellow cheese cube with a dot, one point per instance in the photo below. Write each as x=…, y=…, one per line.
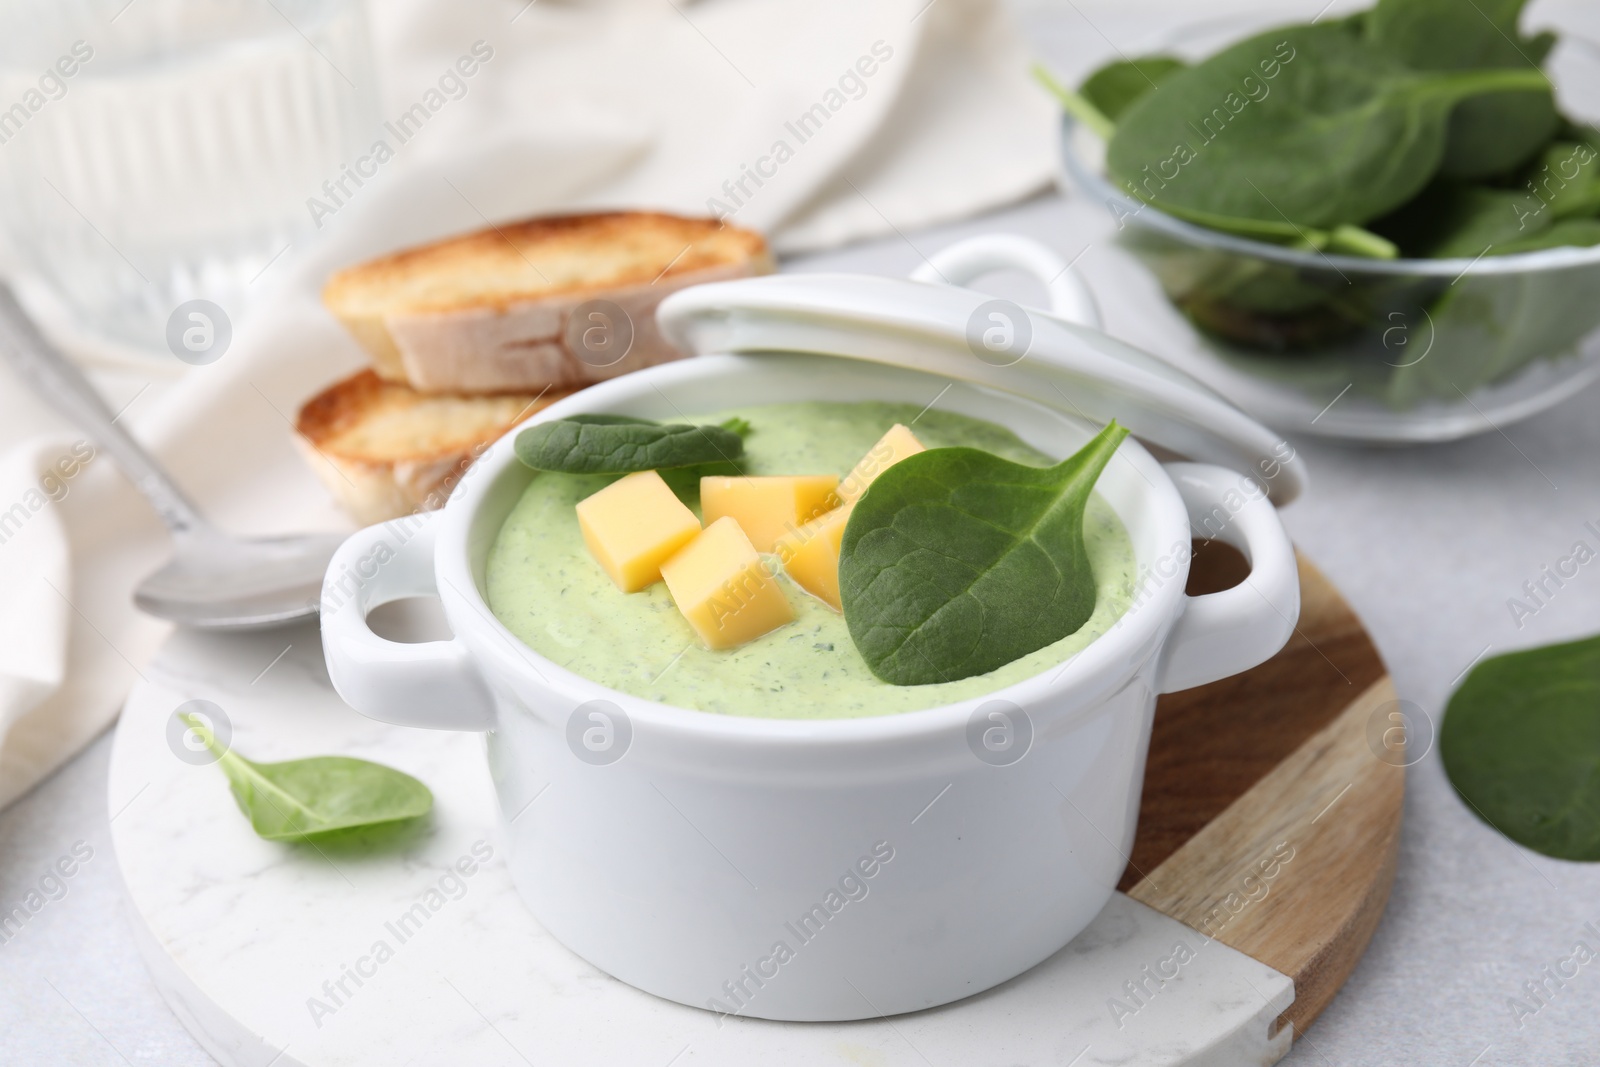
x=891, y=448
x=810, y=555
x=723, y=587
x=633, y=525
x=768, y=508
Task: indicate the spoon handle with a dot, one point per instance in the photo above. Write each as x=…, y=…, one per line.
x=62, y=384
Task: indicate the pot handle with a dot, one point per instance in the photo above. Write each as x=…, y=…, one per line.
x=963, y=261
x=432, y=684
x=1223, y=634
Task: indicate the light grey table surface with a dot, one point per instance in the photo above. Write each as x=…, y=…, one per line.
x=1428, y=544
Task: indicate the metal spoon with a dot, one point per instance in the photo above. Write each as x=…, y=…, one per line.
x=213, y=580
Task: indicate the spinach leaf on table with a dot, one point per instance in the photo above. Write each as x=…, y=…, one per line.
x=300, y=800
x=620, y=444
x=1344, y=134
x=957, y=562
x=1115, y=86
x=1521, y=744
x=1489, y=134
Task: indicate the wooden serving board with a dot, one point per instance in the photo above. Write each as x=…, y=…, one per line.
x=1269, y=824
x=1272, y=763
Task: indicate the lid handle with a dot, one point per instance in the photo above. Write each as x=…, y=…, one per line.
x=964, y=261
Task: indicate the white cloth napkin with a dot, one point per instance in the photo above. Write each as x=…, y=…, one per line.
x=895, y=113
x=890, y=116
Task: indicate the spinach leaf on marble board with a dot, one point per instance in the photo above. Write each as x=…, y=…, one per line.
x=304, y=799
x=956, y=562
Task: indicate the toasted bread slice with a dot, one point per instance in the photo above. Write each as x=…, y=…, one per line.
x=385, y=450
x=492, y=311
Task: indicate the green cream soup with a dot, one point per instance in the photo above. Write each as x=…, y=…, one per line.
x=549, y=591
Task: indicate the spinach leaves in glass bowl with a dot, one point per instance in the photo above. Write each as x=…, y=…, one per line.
x=1326, y=203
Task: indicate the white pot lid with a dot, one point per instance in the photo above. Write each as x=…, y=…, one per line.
x=925, y=326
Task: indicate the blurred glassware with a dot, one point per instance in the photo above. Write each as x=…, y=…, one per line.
x=1387, y=351
x=154, y=152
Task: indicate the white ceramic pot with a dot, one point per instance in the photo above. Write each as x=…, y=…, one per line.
x=832, y=869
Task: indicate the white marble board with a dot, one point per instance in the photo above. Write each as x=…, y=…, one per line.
x=241, y=934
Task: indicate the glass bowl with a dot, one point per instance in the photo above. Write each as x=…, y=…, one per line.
x=1396, y=351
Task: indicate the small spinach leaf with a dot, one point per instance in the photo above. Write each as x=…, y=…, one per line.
x=1342, y=134
x=1521, y=744
x=1117, y=85
x=957, y=562
x=616, y=444
x=298, y=800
